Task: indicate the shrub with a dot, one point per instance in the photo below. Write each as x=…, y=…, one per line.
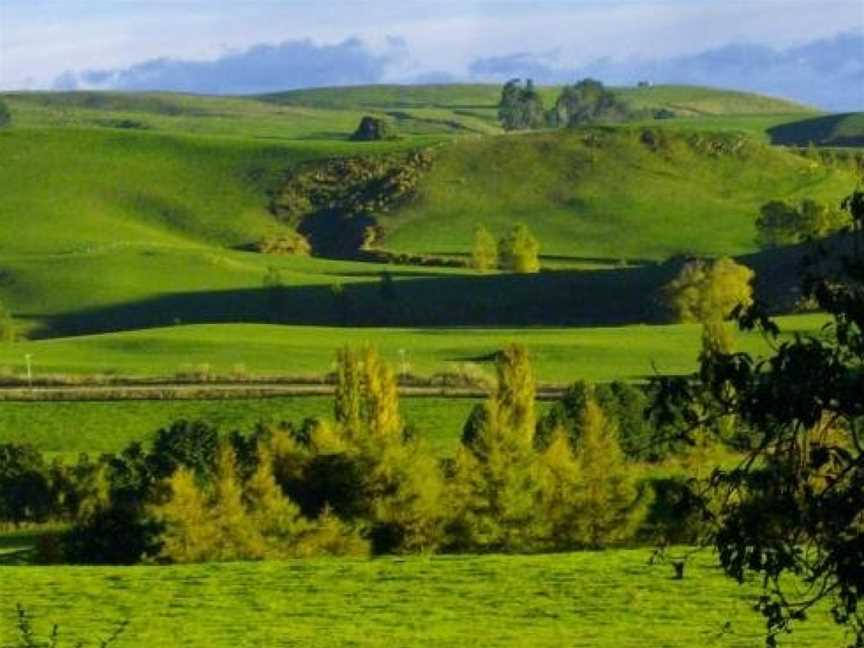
x=372, y=129
x=284, y=244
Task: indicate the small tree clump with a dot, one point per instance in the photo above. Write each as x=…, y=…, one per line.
x=484, y=252
x=586, y=102
x=518, y=251
x=372, y=129
x=521, y=106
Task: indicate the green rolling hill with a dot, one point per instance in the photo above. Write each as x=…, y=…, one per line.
x=129, y=211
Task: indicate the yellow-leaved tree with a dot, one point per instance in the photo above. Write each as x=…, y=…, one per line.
x=708, y=291
x=484, y=252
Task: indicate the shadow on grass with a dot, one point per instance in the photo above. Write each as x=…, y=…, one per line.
x=554, y=298
x=818, y=130
x=596, y=298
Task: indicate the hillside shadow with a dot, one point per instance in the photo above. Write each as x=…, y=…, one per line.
x=609, y=297
x=818, y=130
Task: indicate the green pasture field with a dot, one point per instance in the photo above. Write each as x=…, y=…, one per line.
x=609, y=599
x=72, y=428
x=560, y=355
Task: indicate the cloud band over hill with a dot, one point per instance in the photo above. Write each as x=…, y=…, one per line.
x=828, y=73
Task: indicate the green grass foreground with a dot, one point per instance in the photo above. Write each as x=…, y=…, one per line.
x=611, y=598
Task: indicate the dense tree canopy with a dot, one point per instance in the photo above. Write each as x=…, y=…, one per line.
x=708, y=291
x=780, y=223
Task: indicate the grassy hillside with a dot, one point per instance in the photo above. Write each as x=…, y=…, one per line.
x=117, y=230
x=626, y=193
x=220, y=116
x=688, y=99
x=609, y=598
x=828, y=130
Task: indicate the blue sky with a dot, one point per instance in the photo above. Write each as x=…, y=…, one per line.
x=263, y=45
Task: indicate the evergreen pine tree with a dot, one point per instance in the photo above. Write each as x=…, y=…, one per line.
x=495, y=489
x=188, y=530
x=609, y=507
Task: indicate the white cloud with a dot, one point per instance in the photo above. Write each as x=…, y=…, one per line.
x=41, y=39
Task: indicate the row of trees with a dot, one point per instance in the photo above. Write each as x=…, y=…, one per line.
x=356, y=483
x=588, y=101
x=518, y=251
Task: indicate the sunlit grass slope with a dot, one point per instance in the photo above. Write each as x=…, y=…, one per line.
x=560, y=354
x=609, y=193
x=590, y=599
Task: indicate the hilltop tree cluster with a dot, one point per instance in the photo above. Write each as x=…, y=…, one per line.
x=586, y=102
x=518, y=251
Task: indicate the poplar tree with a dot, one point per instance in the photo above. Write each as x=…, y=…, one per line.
x=347, y=403
x=484, y=253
